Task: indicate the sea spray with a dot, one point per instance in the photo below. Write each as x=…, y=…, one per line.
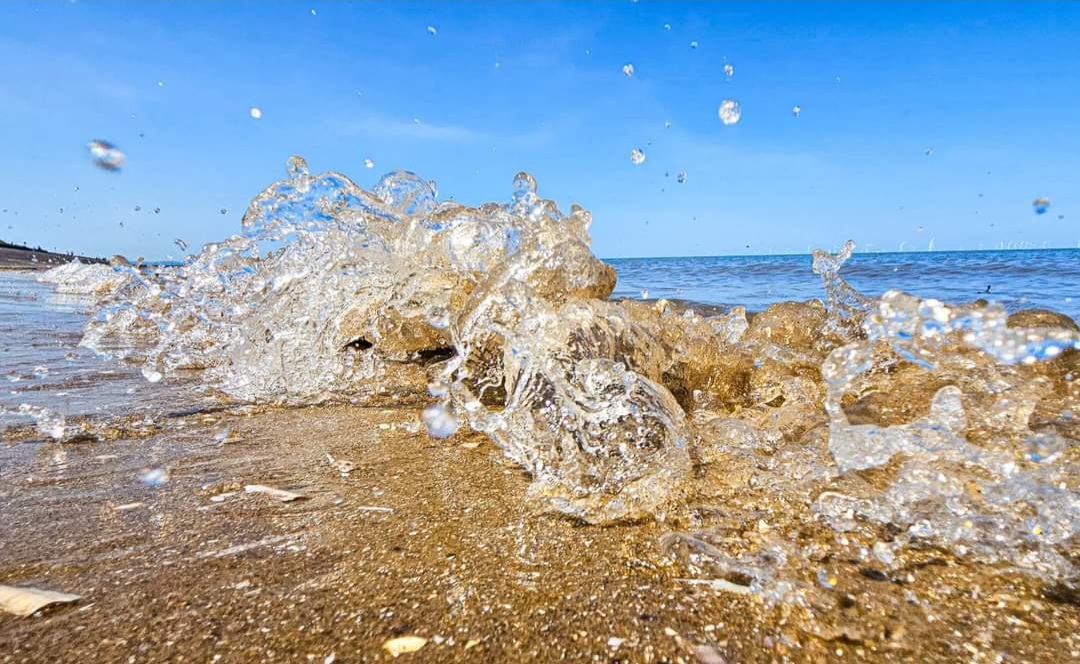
x=958, y=413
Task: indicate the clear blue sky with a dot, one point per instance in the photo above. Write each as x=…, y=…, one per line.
x=994, y=89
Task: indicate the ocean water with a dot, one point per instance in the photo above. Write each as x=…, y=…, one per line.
x=499, y=319
x=1043, y=278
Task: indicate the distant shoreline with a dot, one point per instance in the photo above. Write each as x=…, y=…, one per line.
x=18, y=257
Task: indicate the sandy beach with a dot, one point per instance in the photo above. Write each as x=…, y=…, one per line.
x=432, y=539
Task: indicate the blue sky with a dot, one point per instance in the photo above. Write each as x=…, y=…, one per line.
x=993, y=89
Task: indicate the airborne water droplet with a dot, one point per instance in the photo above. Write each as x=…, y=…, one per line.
x=796, y=110
x=296, y=166
x=667, y=124
x=667, y=26
x=432, y=30
x=255, y=112
x=180, y=243
x=1041, y=205
x=105, y=155
x=693, y=44
x=730, y=112
x=154, y=477
x=628, y=70
x=368, y=163
x=681, y=177
x=729, y=70
x=224, y=211
x=637, y=156
x=439, y=420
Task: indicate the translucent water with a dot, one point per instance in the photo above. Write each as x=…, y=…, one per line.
x=499, y=316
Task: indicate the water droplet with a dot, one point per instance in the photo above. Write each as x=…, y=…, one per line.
x=105, y=155
x=637, y=156
x=161, y=84
x=681, y=177
x=929, y=152
x=224, y=211
x=439, y=420
x=644, y=293
x=667, y=124
x=796, y=110
x=180, y=243
x=1041, y=205
x=313, y=13
x=432, y=30
x=368, y=163
x=296, y=166
x=729, y=70
x=730, y=112
x=628, y=70
x=154, y=477
x=667, y=26
x=439, y=318
x=693, y=44
x=157, y=210
x=255, y=112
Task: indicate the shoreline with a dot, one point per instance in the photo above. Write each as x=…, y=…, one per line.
x=25, y=258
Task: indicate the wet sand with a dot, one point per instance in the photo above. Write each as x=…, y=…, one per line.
x=432, y=538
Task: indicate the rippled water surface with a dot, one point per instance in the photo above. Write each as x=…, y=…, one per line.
x=1045, y=278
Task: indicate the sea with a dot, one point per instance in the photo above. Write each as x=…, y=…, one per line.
x=44, y=366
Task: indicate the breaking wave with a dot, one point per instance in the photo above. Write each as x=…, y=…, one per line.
x=910, y=421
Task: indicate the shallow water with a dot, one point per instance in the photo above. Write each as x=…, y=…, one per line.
x=889, y=421
x=1045, y=278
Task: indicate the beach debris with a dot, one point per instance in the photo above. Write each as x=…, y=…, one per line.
x=729, y=70
x=105, y=155
x=723, y=585
x=248, y=546
x=374, y=508
x=224, y=437
x=341, y=465
x=729, y=112
x=128, y=506
x=1041, y=205
x=471, y=445
x=628, y=70
x=255, y=112
x=440, y=420
x=432, y=30
x=708, y=655
x=637, y=156
x=329, y=659
x=404, y=644
x=368, y=163
x=222, y=497
x=796, y=110
x=28, y=601
x=154, y=477
x=277, y=494
x=614, y=642
x=152, y=375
